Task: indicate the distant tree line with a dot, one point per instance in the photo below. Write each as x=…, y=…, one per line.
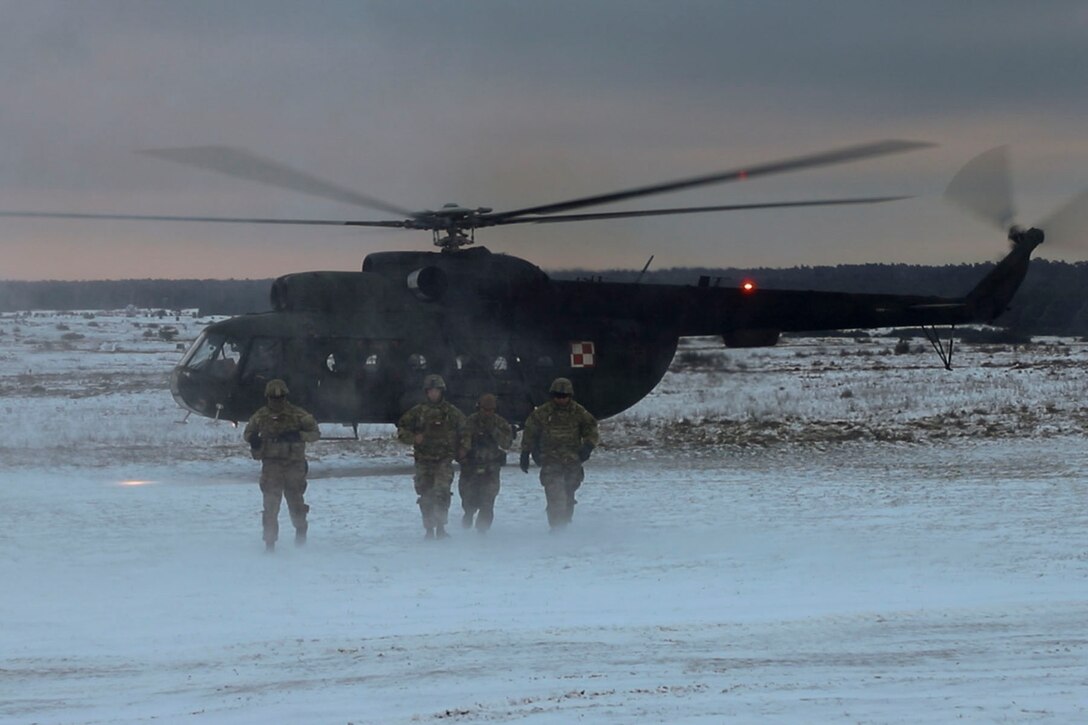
x=209, y=296
x=1051, y=301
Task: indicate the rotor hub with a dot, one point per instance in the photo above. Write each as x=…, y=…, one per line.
x=1034, y=236
x=453, y=238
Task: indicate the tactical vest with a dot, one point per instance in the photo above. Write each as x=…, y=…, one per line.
x=273, y=425
x=440, y=425
x=558, y=431
x=486, y=437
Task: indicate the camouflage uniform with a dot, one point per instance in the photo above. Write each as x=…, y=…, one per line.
x=484, y=442
x=433, y=428
x=559, y=436
x=277, y=435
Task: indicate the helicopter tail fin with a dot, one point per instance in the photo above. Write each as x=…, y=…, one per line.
x=992, y=294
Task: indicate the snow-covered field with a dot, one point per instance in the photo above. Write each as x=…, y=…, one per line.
x=824, y=531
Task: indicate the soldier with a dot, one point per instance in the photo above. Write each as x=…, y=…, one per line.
x=560, y=435
x=433, y=428
x=484, y=443
x=277, y=435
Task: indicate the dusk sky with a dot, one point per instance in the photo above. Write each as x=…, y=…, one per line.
x=519, y=103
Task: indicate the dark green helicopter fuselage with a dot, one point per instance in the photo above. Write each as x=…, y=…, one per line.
x=354, y=347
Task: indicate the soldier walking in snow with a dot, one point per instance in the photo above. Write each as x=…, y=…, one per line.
x=433, y=428
x=484, y=443
x=560, y=435
x=277, y=435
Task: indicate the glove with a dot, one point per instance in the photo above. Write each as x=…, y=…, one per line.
x=524, y=461
x=585, y=451
x=255, y=442
x=291, y=436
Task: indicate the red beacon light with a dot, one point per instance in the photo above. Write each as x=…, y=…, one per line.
x=747, y=287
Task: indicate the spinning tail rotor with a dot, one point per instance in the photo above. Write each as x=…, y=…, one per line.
x=983, y=188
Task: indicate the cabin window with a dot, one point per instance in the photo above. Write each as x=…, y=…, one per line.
x=371, y=361
x=333, y=355
x=417, y=362
x=469, y=365
x=231, y=351
x=500, y=365
x=265, y=358
x=545, y=361
x=335, y=363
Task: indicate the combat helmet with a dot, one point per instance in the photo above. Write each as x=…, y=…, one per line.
x=434, y=381
x=562, y=386
x=275, y=389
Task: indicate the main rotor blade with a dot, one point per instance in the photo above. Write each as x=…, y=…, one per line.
x=839, y=156
x=694, y=210
x=214, y=219
x=982, y=187
x=246, y=165
x=1067, y=226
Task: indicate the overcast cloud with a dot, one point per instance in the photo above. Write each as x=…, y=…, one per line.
x=509, y=104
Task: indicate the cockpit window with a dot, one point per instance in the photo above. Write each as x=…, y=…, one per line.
x=203, y=350
x=213, y=354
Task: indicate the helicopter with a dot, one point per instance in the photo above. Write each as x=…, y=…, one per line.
x=354, y=347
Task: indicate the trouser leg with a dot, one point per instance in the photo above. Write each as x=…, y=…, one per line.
x=560, y=482
x=466, y=489
x=572, y=485
x=272, y=487
x=433, y=480
x=294, y=493
x=298, y=509
x=442, y=493
x=487, y=492
x=555, y=495
x=270, y=516
x=441, y=510
x=424, y=483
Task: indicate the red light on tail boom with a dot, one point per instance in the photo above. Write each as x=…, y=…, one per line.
x=747, y=286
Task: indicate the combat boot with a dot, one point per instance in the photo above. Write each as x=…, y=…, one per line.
x=300, y=537
x=440, y=532
x=466, y=520
x=429, y=534
x=269, y=547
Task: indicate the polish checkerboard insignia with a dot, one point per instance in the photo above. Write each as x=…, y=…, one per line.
x=582, y=354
